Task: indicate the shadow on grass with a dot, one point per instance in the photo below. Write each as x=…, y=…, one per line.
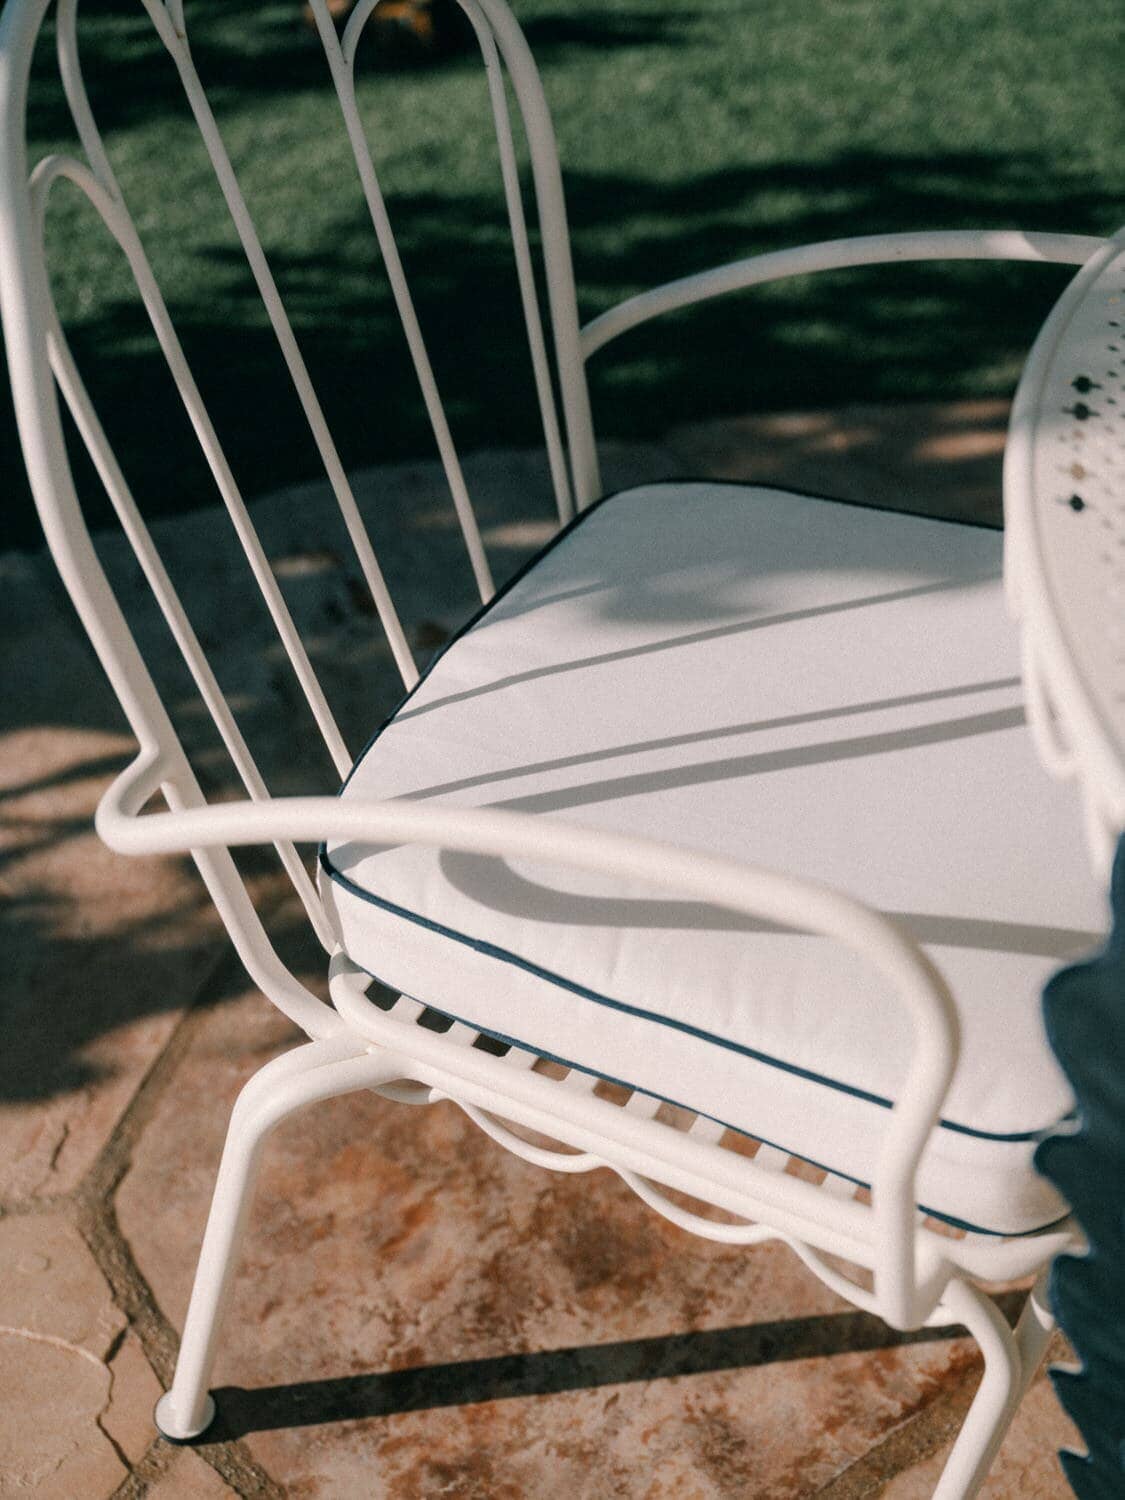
x=270, y=49
x=883, y=334
x=924, y=332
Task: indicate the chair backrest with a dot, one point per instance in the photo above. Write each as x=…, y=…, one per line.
x=42, y=365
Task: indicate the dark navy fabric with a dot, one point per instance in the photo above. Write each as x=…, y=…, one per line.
x=1084, y=1010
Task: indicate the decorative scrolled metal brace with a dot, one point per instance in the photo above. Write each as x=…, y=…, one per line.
x=1084, y=1010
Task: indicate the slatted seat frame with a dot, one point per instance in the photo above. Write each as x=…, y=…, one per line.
x=919, y=1272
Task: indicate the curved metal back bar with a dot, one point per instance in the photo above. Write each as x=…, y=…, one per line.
x=38, y=350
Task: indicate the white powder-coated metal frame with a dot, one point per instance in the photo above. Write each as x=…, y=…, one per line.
x=918, y=1275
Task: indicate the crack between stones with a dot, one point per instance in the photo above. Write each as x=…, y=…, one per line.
x=103, y=1362
x=99, y=1419
x=110, y=1355
x=153, y=1466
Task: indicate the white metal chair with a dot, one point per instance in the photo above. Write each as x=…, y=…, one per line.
x=727, y=799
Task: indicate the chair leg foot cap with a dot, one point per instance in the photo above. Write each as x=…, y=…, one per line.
x=172, y=1429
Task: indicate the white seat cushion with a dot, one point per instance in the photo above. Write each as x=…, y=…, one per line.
x=821, y=688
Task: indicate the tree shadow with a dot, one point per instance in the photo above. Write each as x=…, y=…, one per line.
x=271, y=50
x=551, y=37
x=60, y=1018
x=888, y=334
x=95, y=943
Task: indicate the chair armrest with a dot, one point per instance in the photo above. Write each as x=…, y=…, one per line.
x=836, y=255
x=748, y=889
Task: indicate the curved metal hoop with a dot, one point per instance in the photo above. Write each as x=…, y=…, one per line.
x=343, y=55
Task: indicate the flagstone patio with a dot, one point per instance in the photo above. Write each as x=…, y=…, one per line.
x=418, y=1313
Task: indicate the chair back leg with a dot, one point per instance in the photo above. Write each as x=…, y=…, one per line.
x=1010, y=1361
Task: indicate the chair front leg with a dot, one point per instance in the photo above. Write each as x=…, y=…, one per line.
x=318, y=1070
x=1010, y=1360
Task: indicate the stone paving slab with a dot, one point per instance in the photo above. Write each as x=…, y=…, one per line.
x=488, y=1329
x=75, y=1388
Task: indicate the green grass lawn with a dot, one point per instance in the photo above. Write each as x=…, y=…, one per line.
x=690, y=134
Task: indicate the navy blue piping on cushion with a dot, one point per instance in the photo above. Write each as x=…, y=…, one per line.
x=503, y=955
x=508, y=1041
